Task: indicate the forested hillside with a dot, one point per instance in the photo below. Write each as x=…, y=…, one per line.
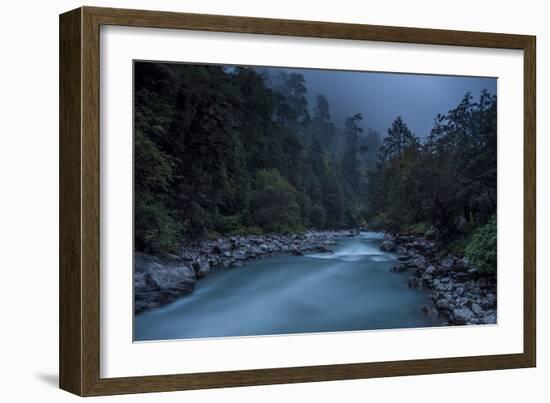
x=447, y=182
x=235, y=150
x=218, y=151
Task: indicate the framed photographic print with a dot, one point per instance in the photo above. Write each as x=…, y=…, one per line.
x=249, y=201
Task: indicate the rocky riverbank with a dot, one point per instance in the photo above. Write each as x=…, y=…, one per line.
x=159, y=280
x=461, y=294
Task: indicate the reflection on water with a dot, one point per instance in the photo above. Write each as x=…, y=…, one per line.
x=350, y=289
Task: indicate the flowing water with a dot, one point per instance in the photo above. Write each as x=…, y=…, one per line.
x=350, y=289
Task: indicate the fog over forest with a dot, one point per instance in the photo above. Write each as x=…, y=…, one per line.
x=380, y=97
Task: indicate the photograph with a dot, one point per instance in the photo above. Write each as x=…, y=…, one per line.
x=279, y=200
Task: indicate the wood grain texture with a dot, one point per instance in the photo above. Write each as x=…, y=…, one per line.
x=530, y=202
x=80, y=196
x=90, y=202
x=70, y=270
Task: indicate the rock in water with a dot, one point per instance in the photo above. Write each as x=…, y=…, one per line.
x=387, y=245
x=413, y=282
x=430, y=311
x=201, y=267
x=442, y=303
x=399, y=268
x=322, y=249
x=159, y=281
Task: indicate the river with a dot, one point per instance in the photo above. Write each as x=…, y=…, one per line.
x=350, y=289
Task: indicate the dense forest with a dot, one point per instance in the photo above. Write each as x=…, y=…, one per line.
x=224, y=150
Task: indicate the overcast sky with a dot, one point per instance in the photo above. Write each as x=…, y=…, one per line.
x=380, y=97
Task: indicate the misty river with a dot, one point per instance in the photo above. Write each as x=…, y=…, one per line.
x=350, y=289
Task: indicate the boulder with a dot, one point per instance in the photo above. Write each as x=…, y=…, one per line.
x=490, y=318
x=201, y=267
x=462, y=316
x=477, y=309
x=442, y=303
x=491, y=299
x=387, y=245
x=461, y=265
x=461, y=277
x=447, y=263
x=419, y=262
x=430, y=270
x=322, y=249
x=159, y=281
x=421, y=245
x=426, y=281
x=413, y=282
x=401, y=250
x=430, y=310
x=399, y=268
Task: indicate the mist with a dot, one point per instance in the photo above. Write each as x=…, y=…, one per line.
x=380, y=97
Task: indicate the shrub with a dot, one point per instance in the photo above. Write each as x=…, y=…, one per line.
x=482, y=249
x=380, y=222
x=274, y=204
x=419, y=228
x=231, y=223
x=245, y=231
x=156, y=228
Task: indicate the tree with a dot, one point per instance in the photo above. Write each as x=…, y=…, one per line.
x=398, y=139
x=449, y=181
x=274, y=203
x=322, y=109
x=350, y=163
x=321, y=126
x=371, y=148
x=462, y=147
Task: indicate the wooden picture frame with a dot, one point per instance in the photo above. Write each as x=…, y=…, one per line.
x=79, y=346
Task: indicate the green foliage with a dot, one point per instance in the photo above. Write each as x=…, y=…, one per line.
x=233, y=150
x=318, y=216
x=252, y=230
x=230, y=224
x=399, y=139
x=482, y=249
x=419, y=228
x=274, y=203
x=458, y=245
x=379, y=222
x=156, y=228
x=448, y=181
